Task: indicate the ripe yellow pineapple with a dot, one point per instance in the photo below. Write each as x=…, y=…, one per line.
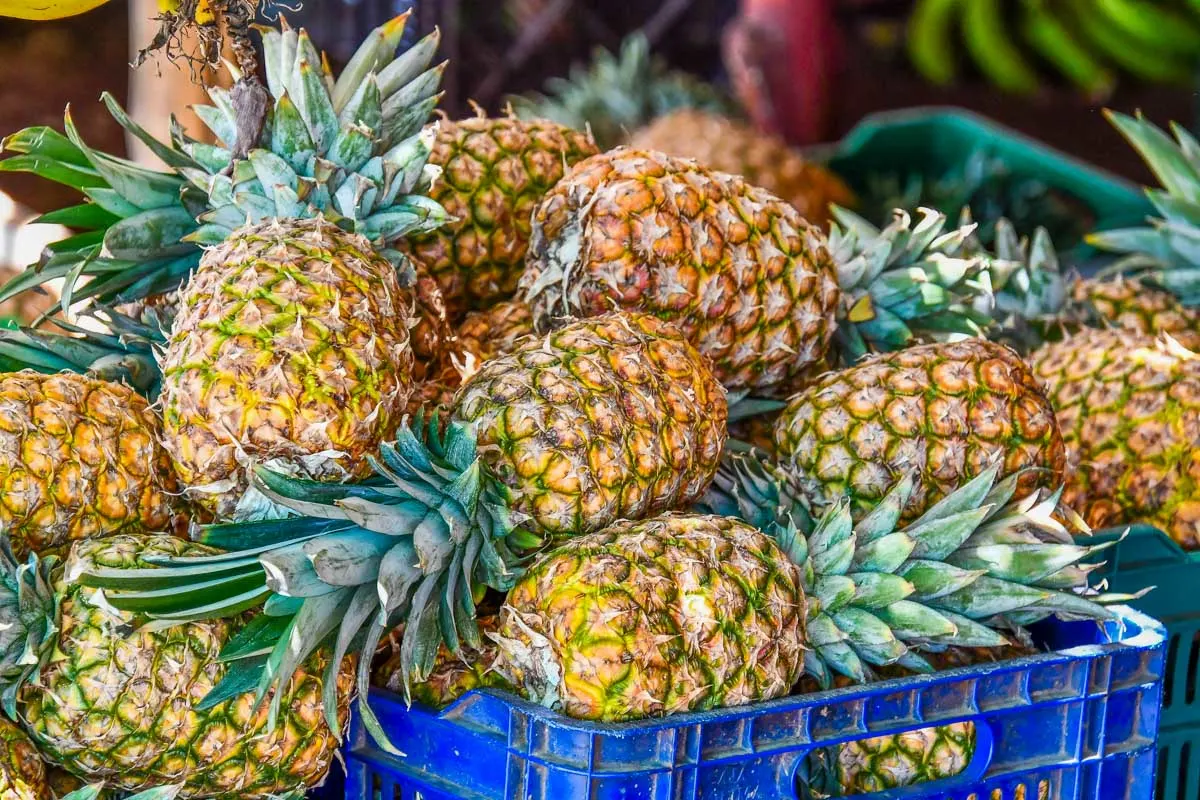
x=690, y=611
x=494, y=171
x=115, y=701
x=739, y=271
x=21, y=767
x=291, y=346
x=946, y=411
x=765, y=160
x=1128, y=405
x=79, y=458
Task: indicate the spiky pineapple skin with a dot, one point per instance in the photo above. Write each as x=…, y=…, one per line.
x=1131, y=304
x=292, y=341
x=1129, y=409
x=79, y=458
x=605, y=418
x=494, y=171
x=942, y=410
x=495, y=331
x=119, y=705
x=21, y=767
x=677, y=613
x=742, y=274
x=765, y=160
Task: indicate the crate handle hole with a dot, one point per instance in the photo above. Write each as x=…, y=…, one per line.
x=818, y=774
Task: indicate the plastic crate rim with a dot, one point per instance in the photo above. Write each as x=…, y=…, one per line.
x=1128, y=629
x=864, y=129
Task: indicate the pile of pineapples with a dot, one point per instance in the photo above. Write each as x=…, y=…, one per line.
x=436, y=406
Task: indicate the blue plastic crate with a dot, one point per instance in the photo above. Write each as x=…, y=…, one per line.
x=1078, y=722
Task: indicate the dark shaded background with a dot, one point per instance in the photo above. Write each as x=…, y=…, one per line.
x=498, y=47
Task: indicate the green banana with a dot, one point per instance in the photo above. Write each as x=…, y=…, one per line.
x=1153, y=24
x=1146, y=63
x=930, y=40
x=992, y=51
x=1055, y=43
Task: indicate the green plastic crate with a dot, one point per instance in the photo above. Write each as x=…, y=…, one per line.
x=1148, y=557
x=933, y=140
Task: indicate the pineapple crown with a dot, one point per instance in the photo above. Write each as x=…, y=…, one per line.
x=352, y=149
x=1166, y=251
x=905, y=281
x=978, y=562
x=29, y=614
x=617, y=94
x=116, y=348
x=417, y=544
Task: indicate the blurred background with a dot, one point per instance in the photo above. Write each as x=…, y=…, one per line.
x=808, y=70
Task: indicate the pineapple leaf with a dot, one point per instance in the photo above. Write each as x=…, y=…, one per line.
x=253, y=537
x=85, y=216
x=938, y=538
x=107, y=198
x=150, y=579
x=970, y=633
x=142, y=187
x=315, y=105
x=1165, y=159
x=168, y=155
x=363, y=605
x=932, y=579
x=986, y=597
x=258, y=637
x=240, y=677
x=879, y=589
x=47, y=142
x=279, y=606
x=408, y=65
x=152, y=234
x=884, y=554
x=365, y=108
x=58, y=171
x=290, y=572
x=399, y=573
x=348, y=558
x=170, y=599
x=371, y=56
x=871, y=638
x=224, y=607
x=909, y=620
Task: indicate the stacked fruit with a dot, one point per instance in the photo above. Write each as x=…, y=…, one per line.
x=465, y=387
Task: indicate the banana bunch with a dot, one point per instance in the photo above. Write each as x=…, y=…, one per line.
x=59, y=9
x=1087, y=42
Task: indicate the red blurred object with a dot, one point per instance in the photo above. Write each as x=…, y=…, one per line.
x=783, y=57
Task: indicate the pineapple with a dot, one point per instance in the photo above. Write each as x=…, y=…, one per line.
x=689, y=611
x=291, y=346
x=1129, y=409
x=765, y=160
x=1162, y=290
x=756, y=288
x=494, y=171
x=112, y=699
x=21, y=767
x=743, y=275
x=634, y=99
x=945, y=411
x=79, y=458
x=610, y=417
x=494, y=332
x=351, y=149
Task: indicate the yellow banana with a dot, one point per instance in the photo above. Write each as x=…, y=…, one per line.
x=46, y=9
